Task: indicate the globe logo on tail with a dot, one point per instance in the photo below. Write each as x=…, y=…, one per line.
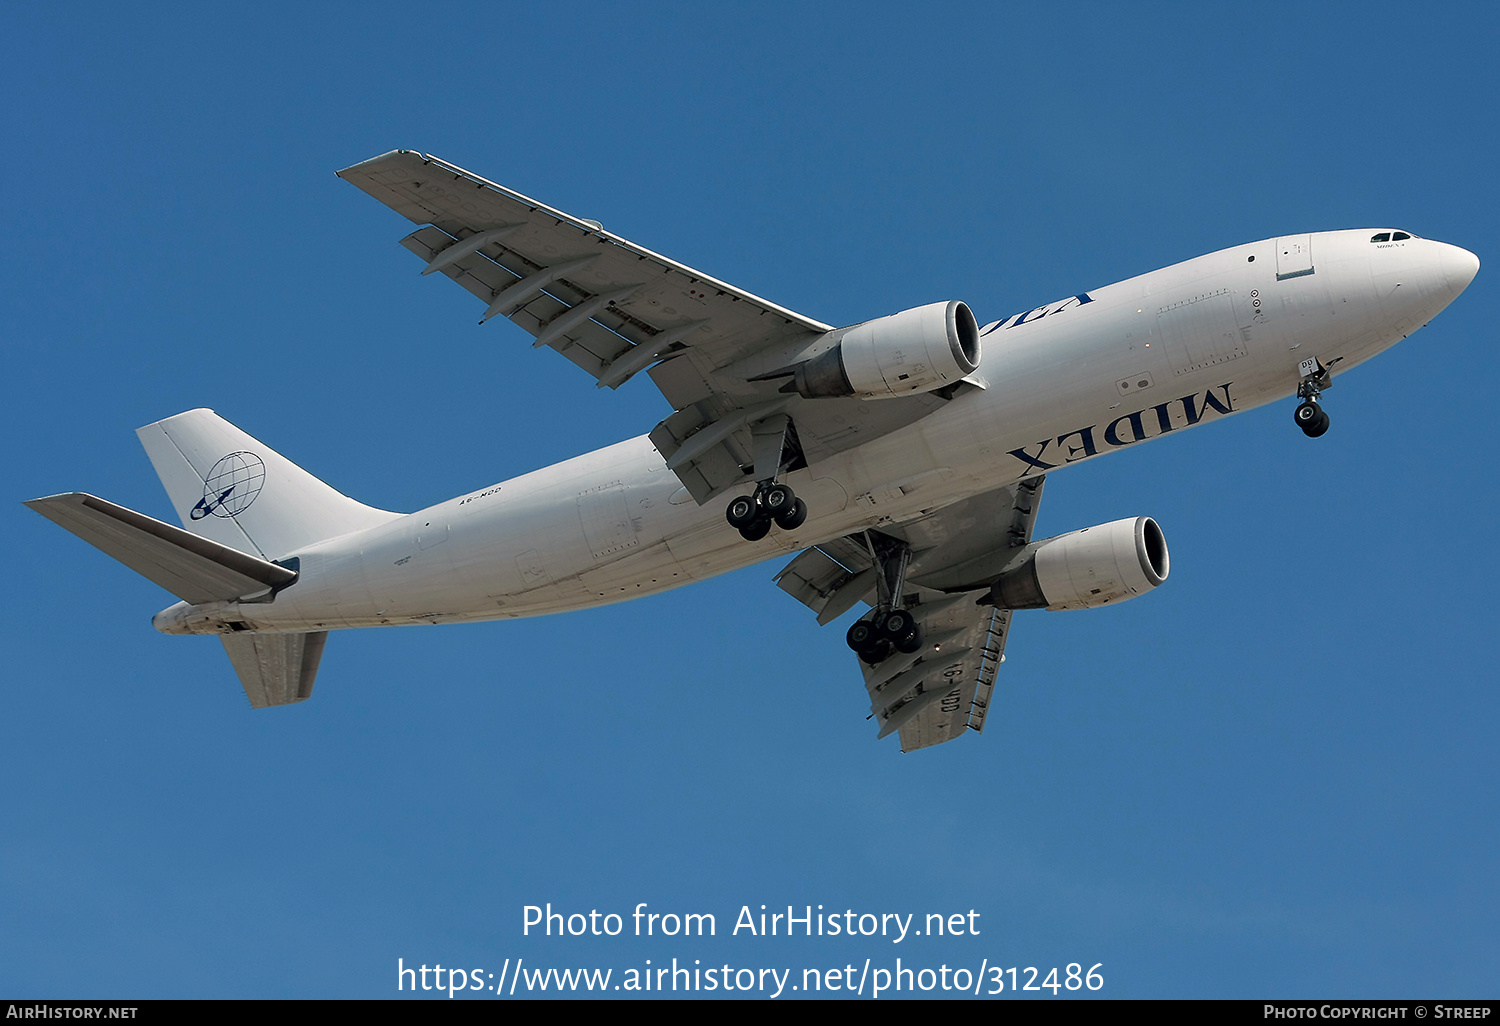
x=231, y=485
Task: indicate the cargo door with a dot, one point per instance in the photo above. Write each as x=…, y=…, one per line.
x=1293, y=257
x=607, y=524
x=1200, y=331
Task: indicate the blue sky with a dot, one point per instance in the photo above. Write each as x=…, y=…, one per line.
x=1274, y=776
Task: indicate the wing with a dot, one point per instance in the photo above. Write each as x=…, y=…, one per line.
x=932, y=695
x=614, y=309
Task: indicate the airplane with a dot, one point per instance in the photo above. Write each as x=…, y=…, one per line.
x=899, y=461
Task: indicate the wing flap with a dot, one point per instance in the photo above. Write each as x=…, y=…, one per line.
x=973, y=686
x=947, y=689
x=825, y=585
x=192, y=567
x=712, y=471
x=588, y=341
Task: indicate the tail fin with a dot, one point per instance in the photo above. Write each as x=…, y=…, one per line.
x=232, y=489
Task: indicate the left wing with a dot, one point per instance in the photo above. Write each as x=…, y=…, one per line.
x=932, y=695
x=614, y=309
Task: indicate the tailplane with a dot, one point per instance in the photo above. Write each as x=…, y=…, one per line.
x=246, y=510
x=274, y=669
x=230, y=488
x=195, y=569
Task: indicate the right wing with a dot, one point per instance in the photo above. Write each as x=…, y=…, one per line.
x=936, y=693
x=614, y=309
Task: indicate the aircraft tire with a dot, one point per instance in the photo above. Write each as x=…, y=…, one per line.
x=878, y=652
x=742, y=512
x=898, y=625
x=756, y=529
x=912, y=641
x=1318, y=427
x=861, y=634
x=777, y=499
x=793, y=518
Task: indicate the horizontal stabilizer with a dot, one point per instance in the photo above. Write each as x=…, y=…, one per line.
x=191, y=567
x=275, y=669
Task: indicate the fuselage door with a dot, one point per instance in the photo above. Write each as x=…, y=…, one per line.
x=607, y=524
x=1200, y=331
x=1293, y=256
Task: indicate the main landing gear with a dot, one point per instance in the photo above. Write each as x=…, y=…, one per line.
x=1310, y=417
x=752, y=515
x=889, y=628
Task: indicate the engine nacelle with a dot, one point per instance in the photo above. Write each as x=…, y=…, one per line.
x=1088, y=568
x=916, y=350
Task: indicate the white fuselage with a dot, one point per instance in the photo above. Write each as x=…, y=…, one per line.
x=1060, y=383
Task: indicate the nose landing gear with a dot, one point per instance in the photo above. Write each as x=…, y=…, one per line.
x=1310, y=417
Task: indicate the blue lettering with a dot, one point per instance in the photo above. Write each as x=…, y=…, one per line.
x=1035, y=461
x=1209, y=400
x=1030, y=316
x=1190, y=407
x=1078, y=300
x=1086, y=436
x=1112, y=433
x=1137, y=429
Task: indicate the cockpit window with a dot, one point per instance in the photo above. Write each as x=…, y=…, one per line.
x=1399, y=236
x=1381, y=237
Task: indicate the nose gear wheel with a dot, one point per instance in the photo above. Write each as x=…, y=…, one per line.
x=1311, y=417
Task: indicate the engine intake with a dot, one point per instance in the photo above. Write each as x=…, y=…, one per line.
x=1085, y=569
x=917, y=350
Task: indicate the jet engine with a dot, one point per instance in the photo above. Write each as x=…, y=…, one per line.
x=1088, y=568
x=917, y=350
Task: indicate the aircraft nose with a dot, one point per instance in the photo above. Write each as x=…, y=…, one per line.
x=1459, y=267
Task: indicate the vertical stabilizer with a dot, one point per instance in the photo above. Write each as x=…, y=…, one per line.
x=230, y=488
